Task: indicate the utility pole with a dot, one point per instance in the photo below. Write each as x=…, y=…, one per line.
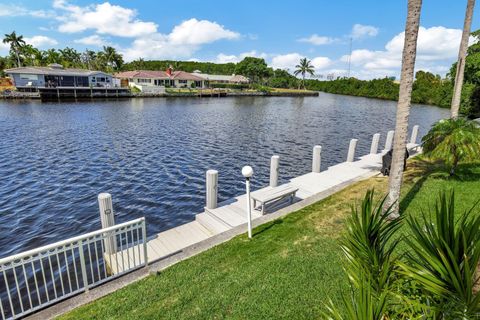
x=350, y=57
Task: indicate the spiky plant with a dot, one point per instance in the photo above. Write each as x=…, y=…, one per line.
x=363, y=304
x=443, y=257
x=368, y=244
x=452, y=141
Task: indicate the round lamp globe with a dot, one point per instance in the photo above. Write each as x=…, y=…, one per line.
x=247, y=171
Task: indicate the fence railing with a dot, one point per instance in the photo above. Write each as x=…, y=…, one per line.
x=37, y=278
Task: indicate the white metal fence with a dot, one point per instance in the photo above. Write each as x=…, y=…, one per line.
x=37, y=278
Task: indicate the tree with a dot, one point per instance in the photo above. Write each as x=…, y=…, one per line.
x=112, y=58
x=254, y=68
x=404, y=103
x=457, y=91
x=305, y=66
x=453, y=140
x=70, y=57
x=16, y=43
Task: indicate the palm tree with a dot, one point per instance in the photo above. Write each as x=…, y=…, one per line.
x=462, y=53
x=453, y=140
x=305, y=66
x=404, y=101
x=16, y=42
x=113, y=59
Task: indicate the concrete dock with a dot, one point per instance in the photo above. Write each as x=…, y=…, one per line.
x=233, y=213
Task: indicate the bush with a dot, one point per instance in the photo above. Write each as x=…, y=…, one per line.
x=236, y=86
x=453, y=141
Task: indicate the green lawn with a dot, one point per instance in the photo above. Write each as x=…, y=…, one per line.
x=290, y=269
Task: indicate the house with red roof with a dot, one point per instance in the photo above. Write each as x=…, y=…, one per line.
x=157, y=81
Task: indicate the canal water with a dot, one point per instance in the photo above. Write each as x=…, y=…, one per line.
x=151, y=154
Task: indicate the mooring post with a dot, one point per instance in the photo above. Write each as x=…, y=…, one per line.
x=413, y=138
x=351, y=150
x=274, y=166
x=375, y=141
x=212, y=189
x=107, y=217
x=316, y=159
x=389, y=140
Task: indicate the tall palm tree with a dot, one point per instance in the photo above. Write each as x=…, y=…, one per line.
x=305, y=66
x=404, y=102
x=462, y=53
x=16, y=42
x=113, y=59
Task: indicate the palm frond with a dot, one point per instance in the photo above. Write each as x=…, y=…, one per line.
x=444, y=256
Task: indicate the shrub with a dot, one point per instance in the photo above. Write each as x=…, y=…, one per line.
x=453, y=141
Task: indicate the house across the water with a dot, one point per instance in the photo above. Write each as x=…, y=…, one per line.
x=156, y=81
x=55, y=76
x=56, y=82
x=218, y=78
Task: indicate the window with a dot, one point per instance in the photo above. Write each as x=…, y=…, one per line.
x=182, y=81
x=198, y=83
x=29, y=76
x=93, y=79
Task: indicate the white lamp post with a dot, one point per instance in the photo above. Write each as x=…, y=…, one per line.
x=247, y=172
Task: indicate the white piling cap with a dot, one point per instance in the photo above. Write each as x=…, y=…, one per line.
x=104, y=195
x=247, y=171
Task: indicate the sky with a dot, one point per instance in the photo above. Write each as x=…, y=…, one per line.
x=279, y=31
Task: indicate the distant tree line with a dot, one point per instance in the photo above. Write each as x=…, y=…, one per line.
x=23, y=54
x=427, y=88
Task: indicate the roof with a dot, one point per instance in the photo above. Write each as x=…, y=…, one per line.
x=182, y=75
x=214, y=77
x=142, y=74
x=220, y=77
x=239, y=78
x=149, y=74
x=53, y=71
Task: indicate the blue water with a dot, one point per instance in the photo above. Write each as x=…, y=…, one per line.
x=152, y=154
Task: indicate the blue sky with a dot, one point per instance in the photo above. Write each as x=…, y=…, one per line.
x=224, y=31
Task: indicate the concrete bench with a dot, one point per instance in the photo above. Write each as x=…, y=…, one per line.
x=272, y=195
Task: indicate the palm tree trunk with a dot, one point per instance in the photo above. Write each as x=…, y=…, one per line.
x=462, y=53
x=19, y=64
x=404, y=100
x=303, y=81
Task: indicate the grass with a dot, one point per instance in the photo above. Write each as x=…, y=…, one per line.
x=290, y=269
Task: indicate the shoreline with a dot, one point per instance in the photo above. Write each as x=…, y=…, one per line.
x=36, y=95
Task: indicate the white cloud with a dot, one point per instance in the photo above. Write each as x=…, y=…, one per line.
x=361, y=31
x=104, y=18
x=93, y=40
x=17, y=11
x=224, y=58
x=196, y=32
x=437, y=49
x=290, y=60
x=317, y=40
x=41, y=41
x=184, y=40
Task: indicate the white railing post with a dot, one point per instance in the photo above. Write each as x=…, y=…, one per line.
x=413, y=138
x=389, y=140
x=274, y=166
x=316, y=159
x=375, y=141
x=212, y=189
x=107, y=218
x=144, y=235
x=351, y=150
x=83, y=266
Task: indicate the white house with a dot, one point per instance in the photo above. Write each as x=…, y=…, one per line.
x=55, y=76
x=157, y=81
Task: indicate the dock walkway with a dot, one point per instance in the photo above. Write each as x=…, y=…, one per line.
x=233, y=213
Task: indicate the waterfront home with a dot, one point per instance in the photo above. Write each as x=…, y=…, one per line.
x=157, y=81
x=56, y=76
x=218, y=78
